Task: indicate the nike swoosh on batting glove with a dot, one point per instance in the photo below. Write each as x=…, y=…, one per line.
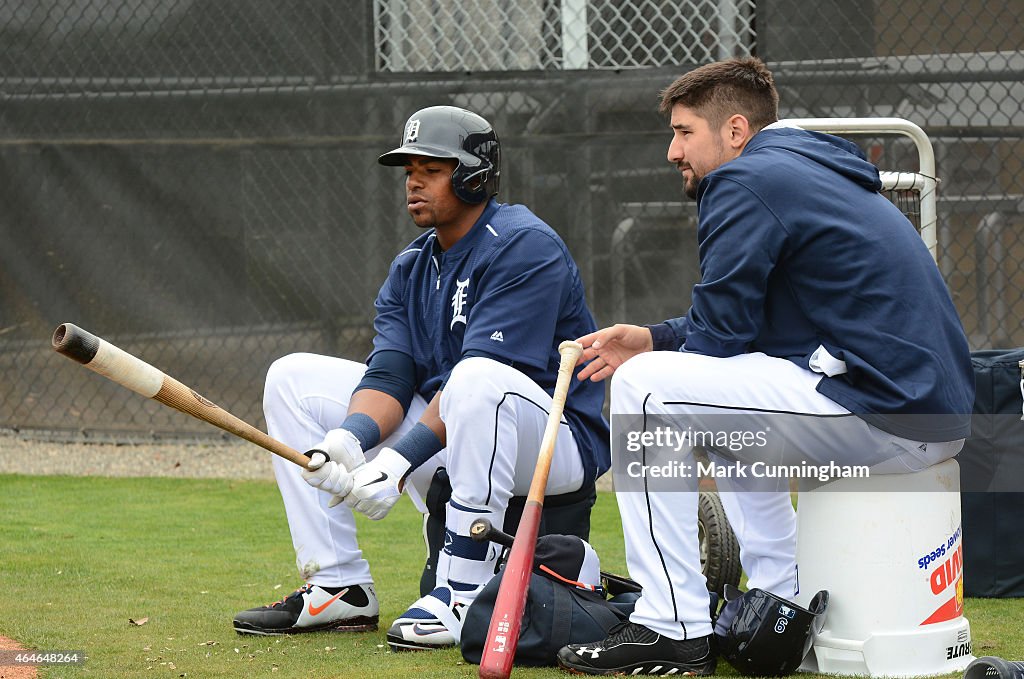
x=375, y=485
x=328, y=476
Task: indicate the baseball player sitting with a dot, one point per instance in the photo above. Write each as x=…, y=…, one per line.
x=818, y=304
x=465, y=357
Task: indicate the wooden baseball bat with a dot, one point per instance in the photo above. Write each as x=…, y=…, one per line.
x=507, y=618
x=117, y=365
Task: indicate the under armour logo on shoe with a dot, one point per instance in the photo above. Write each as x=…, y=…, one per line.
x=594, y=652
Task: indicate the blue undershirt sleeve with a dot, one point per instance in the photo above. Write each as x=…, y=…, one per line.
x=392, y=372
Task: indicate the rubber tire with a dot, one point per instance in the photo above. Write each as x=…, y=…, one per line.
x=719, y=548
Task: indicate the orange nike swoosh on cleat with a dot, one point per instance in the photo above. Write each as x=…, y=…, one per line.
x=317, y=610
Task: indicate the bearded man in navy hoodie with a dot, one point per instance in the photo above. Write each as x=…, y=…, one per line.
x=820, y=316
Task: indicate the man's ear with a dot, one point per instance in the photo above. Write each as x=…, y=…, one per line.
x=737, y=131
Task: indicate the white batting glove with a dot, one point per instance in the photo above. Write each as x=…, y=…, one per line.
x=328, y=476
x=375, y=485
x=331, y=460
x=341, y=446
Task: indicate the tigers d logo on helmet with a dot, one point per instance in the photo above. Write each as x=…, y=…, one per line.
x=412, y=131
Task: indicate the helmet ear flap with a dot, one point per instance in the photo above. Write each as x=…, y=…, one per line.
x=818, y=606
x=726, y=616
x=477, y=181
x=471, y=187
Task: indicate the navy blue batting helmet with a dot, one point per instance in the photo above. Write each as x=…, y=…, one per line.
x=763, y=635
x=452, y=132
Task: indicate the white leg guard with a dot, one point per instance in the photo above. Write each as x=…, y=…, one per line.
x=464, y=564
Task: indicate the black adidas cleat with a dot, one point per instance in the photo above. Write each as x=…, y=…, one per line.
x=312, y=608
x=635, y=649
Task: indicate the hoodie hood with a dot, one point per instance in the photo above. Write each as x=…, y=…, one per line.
x=837, y=154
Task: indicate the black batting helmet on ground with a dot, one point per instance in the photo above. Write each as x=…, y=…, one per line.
x=763, y=635
x=452, y=132
x=991, y=667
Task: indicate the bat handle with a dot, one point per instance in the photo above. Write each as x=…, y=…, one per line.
x=481, y=530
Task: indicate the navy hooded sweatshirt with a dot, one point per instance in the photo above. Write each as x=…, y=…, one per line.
x=798, y=249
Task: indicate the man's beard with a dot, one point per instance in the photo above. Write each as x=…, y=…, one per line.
x=690, y=185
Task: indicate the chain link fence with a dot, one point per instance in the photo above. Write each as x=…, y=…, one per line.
x=425, y=35
x=197, y=182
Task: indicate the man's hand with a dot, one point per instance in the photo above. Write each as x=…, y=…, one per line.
x=341, y=446
x=328, y=476
x=608, y=348
x=330, y=462
x=377, y=485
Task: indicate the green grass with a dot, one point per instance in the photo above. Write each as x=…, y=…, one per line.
x=82, y=556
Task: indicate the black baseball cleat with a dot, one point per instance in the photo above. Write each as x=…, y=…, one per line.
x=312, y=608
x=635, y=649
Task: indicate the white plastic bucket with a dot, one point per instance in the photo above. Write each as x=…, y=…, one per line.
x=889, y=550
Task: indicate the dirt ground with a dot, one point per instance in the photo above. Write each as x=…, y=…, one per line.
x=15, y=671
x=23, y=455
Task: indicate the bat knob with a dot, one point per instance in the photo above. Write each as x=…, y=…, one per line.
x=480, y=529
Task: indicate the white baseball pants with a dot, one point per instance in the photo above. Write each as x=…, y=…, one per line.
x=495, y=418
x=660, y=526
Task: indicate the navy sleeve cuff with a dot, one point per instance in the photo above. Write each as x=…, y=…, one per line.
x=664, y=337
x=418, y=445
x=696, y=343
x=364, y=428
